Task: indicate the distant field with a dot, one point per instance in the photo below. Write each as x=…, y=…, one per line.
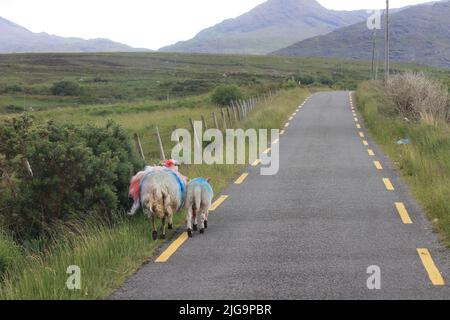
x=111, y=78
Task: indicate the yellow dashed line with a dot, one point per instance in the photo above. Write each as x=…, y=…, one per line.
x=241, y=178
x=267, y=150
x=172, y=248
x=388, y=184
x=358, y=126
x=370, y=152
x=356, y=119
x=378, y=165
x=403, y=213
x=257, y=162
x=365, y=143
x=361, y=134
x=290, y=119
x=282, y=132
x=218, y=202
x=433, y=272
x=287, y=125
x=276, y=141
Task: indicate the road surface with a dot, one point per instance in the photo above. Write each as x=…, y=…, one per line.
x=311, y=231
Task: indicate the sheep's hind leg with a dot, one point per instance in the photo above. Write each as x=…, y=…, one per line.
x=202, y=221
x=194, y=217
x=163, y=228
x=154, y=233
x=189, y=222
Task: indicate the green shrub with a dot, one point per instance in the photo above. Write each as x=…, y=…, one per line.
x=305, y=80
x=326, y=81
x=78, y=170
x=66, y=88
x=224, y=94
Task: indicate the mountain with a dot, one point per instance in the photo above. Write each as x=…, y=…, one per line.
x=14, y=39
x=419, y=34
x=270, y=26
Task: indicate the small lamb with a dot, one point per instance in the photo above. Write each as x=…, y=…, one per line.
x=198, y=201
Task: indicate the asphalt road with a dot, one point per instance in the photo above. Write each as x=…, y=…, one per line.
x=309, y=232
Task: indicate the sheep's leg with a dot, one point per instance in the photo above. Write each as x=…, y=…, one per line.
x=163, y=228
x=202, y=221
x=206, y=219
x=194, y=217
x=170, y=225
x=189, y=221
x=154, y=233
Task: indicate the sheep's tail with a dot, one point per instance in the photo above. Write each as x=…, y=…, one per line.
x=154, y=201
x=197, y=197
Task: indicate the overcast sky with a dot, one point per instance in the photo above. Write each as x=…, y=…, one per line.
x=143, y=23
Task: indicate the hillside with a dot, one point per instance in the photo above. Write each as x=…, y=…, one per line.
x=420, y=34
x=16, y=39
x=270, y=26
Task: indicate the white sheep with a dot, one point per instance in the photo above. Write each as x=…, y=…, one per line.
x=198, y=201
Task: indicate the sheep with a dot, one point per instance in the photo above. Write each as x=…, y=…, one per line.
x=135, y=183
x=162, y=194
x=198, y=201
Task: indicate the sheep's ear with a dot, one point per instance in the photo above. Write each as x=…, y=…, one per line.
x=208, y=179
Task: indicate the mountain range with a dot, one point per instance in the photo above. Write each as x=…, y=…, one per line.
x=16, y=39
x=270, y=26
x=419, y=34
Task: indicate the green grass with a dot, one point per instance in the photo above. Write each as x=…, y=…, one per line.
x=108, y=254
x=425, y=163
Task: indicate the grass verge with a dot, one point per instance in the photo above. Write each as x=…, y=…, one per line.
x=424, y=163
x=109, y=253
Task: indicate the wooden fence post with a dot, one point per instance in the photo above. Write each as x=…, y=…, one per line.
x=229, y=117
x=139, y=146
x=224, y=121
x=215, y=120
x=161, y=147
x=205, y=126
x=235, y=113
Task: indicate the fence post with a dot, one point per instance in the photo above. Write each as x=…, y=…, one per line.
x=161, y=147
x=205, y=127
x=139, y=146
x=215, y=120
x=224, y=121
x=229, y=116
x=235, y=113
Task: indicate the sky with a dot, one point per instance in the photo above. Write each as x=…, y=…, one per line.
x=143, y=23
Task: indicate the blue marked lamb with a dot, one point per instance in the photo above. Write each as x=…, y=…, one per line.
x=198, y=201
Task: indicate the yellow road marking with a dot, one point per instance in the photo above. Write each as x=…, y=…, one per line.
x=370, y=152
x=218, y=202
x=358, y=126
x=241, y=178
x=365, y=143
x=290, y=119
x=433, y=272
x=281, y=132
x=257, y=161
x=378, y=165
x=172, y=248
x=388, y=184
x=356, y=119
x=267, y=150
x=275, y=141
x=361, y=134
x=287, y=125
x=403, y=213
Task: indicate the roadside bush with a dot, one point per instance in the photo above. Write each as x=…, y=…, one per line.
x=77, y=171
x=418, y=97
x=66, y=88
x=290, y=84
x=305, y=80
x=9, y=252
x=224, y=94
x=326, y=81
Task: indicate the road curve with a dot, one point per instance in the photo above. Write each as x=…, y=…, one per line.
x=311, y=231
